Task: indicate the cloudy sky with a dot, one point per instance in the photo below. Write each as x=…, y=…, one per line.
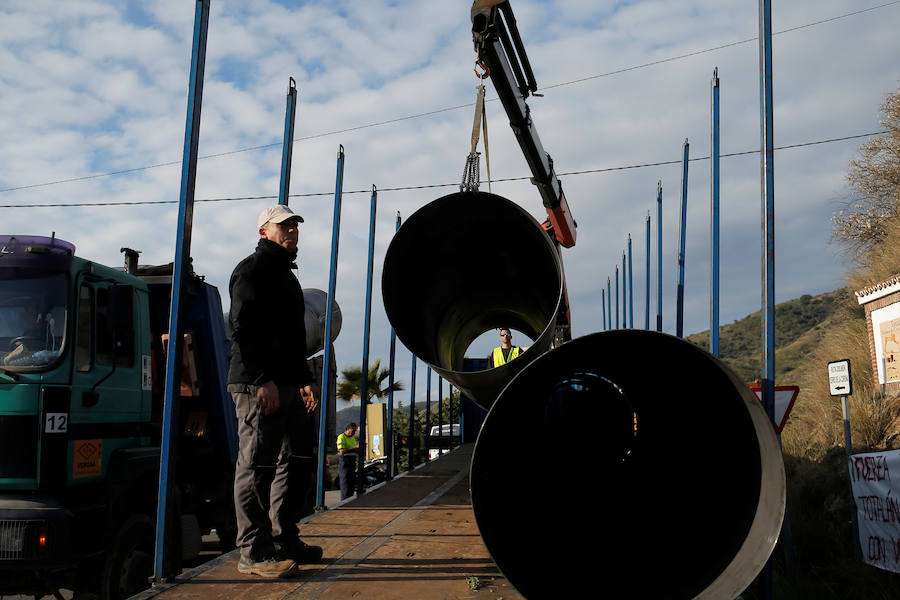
x=93, y=98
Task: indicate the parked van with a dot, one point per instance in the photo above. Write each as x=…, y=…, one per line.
x=440, y=438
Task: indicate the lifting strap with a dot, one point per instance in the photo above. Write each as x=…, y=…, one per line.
x=471, y=178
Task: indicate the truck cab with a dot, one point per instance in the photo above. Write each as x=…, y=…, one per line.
x=82, y=371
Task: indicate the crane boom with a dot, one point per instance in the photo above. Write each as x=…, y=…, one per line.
x=501, y=54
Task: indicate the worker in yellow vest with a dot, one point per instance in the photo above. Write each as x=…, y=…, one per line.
x=348, y=448
x=505, y=352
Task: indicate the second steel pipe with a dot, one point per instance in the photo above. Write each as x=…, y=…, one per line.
x=462, y=265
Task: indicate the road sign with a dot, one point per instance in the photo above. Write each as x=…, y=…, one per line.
x=839, y=381
x=784, y=402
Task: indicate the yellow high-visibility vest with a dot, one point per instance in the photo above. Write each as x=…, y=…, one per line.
x=498, y=355
x=346, y=442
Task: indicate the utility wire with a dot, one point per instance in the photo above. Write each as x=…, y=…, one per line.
x=440, y=185
x=443, y=110
x=715, y=48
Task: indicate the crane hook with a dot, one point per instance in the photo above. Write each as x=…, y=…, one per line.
x=485, y=71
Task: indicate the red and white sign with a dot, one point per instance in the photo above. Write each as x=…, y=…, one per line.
x=784, y=402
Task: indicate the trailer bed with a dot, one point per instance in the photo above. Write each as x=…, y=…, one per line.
x=412, y=537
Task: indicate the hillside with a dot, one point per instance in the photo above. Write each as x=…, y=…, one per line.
x=800, y=325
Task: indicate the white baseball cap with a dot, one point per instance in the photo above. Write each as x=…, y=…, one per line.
x=277, y=214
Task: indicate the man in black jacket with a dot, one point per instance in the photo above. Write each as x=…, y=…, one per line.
x=274, y=393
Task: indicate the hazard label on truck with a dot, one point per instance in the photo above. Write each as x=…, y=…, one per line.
x=87, y=458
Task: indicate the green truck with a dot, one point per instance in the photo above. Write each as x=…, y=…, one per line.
x=82, y=378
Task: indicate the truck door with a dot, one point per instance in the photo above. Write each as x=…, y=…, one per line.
x=106, y=409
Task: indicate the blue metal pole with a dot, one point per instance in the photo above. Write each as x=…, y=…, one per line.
x=617, y=296
x=714, y=217
x=450, y=402
x=767, y=168
x=450, y=412
x=364, y=383
x=326, y=366
x=440, y=410
x=390, y=416
x=767, y=160
x=609, y=302
x=603, y=307
x=412, y=412
x=389, y=449
x=288, y=145
x=624, y=294
x=162, y=566
x=428, y=412
x=659, y=287
x=630, y=286
x=647, y=299
x=679, y=300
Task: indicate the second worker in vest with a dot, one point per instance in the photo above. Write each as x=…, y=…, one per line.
x=505, y=352
x=348, y=448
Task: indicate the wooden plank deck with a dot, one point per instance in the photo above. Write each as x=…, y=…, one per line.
x=413, y=537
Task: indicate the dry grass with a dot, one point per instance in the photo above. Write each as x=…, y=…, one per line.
x=826, y=564
x=816, y=422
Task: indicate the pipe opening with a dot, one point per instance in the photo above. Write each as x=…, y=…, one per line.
x=483, y=345
x=463, y=265
x=571, y=405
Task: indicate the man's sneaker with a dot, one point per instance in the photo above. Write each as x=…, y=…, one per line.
x=269, y=568
x=300, y=552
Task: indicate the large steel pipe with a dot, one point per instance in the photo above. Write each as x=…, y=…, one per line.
x=642, y=468
x=464, y=264
x=316, y=302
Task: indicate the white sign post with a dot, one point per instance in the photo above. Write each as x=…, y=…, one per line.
x=840, y=383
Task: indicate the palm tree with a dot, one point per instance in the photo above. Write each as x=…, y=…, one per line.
x=350, y=386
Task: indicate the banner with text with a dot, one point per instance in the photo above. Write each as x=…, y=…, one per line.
x=877, y=497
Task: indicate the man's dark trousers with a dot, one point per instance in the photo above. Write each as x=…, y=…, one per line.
x=273, y=470
x=347, y=474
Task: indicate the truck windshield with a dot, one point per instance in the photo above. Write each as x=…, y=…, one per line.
x=32, y=320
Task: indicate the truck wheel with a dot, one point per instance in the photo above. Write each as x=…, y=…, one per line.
x=129, y=564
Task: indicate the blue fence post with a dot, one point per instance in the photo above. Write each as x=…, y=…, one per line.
x=679, y=300
x=440, y=408
x=452, y=422
x=659, y=262
x=714, y=219
x=624, y=294
x=441, y=417
x=428, y=412
x=288, y=145
x=162, y=565
x=603, y=306
x=647, y=299
x=329, y=313
x=364, y=383
x=609, y=302
x=767, y=166
x=390, y=415
x=617, y=296
x=412, y=412
x=630, y=286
